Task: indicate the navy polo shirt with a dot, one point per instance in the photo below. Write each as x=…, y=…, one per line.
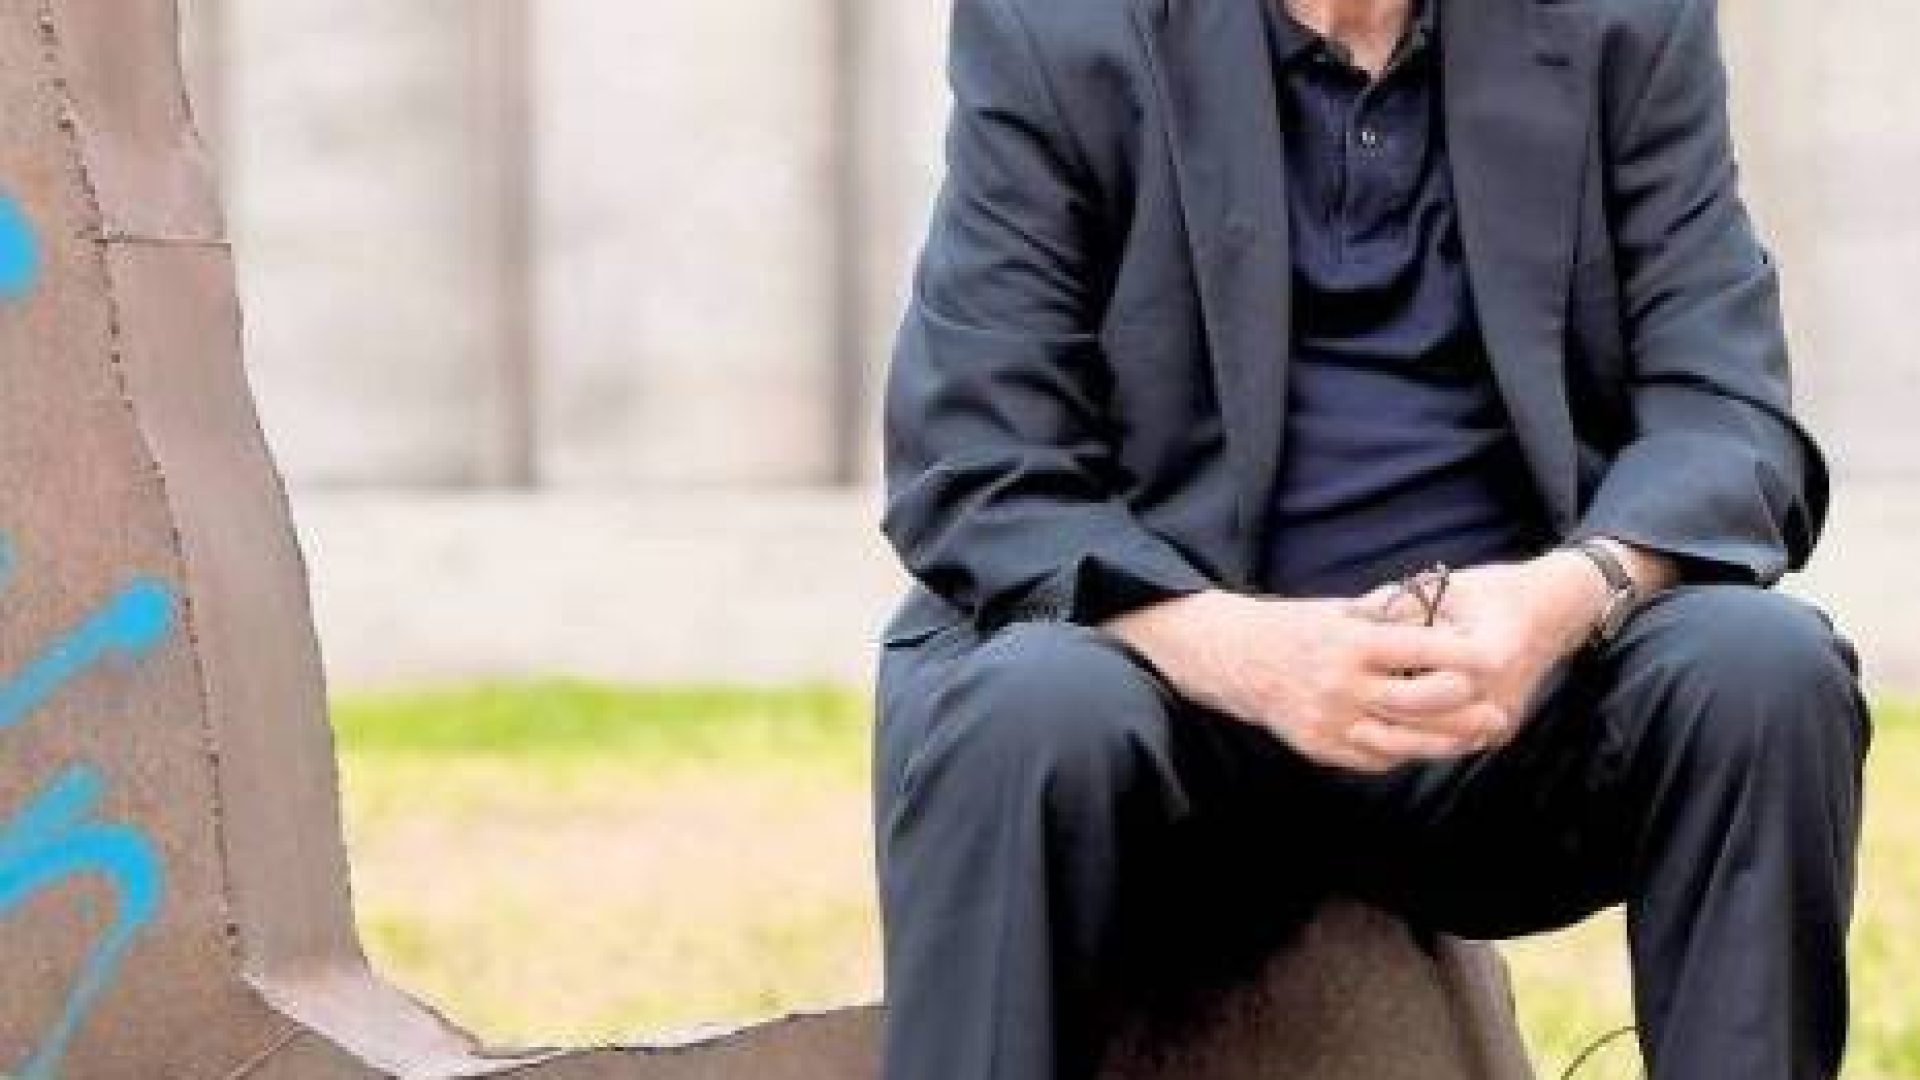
x=1399, y=452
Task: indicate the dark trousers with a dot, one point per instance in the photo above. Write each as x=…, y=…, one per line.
x=1059, y=832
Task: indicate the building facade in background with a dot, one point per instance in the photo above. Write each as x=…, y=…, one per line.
x=567, y=318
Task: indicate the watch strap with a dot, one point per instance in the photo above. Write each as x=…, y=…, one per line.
x=1623, y=594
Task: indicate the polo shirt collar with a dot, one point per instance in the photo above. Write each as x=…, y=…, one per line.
x=1294, y=40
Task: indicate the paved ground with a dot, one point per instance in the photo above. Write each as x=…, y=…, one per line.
x=750, y=586
x=766, y=586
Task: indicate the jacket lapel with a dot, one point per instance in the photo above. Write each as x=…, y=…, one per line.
x=1518, y=84
x=1519, y=108
x=1215, y=77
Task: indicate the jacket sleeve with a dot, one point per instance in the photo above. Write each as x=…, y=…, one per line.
x=1717, y=471
x=1000, y=482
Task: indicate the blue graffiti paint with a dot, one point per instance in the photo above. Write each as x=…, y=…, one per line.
x=131, y=624
x=53, y=839
x=50, y=842
x=19, y=251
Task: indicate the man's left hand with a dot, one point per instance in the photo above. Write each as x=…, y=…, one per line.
x=1524, y=618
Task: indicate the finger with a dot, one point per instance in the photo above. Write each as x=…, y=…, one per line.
x=1502, y=723
x=1421, y=695
x=1367, y=764
x=1475, y=727
x=1403, y=606
x=1353, y=758
x=1396, y=649
x=1328, y=750
x=1387, y=604
x=1402, y=744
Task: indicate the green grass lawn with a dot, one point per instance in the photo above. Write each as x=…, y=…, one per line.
x=567, y=863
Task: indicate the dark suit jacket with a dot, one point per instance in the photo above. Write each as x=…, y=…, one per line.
x=1084, y=410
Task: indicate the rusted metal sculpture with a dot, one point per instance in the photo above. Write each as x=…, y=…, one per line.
x=173, y=884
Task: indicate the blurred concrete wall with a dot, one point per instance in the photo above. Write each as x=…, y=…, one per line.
x=688, y=170
x=1830, y=120
x=1829, y=116
x=684, y=166
x=629, y=255
x=349, y=133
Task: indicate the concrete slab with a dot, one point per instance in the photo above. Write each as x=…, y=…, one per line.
x=426, y=587
x=738, y=586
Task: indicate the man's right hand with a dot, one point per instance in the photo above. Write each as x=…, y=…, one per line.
x=1343, y=691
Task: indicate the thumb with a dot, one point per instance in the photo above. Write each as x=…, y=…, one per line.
x=1388, y=603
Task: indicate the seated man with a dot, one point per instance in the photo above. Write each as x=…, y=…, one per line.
x=1234, y=313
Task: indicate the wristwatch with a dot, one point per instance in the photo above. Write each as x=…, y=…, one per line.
x=1623, y=594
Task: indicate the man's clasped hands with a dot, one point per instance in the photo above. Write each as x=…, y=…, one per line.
x=1441, y=665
